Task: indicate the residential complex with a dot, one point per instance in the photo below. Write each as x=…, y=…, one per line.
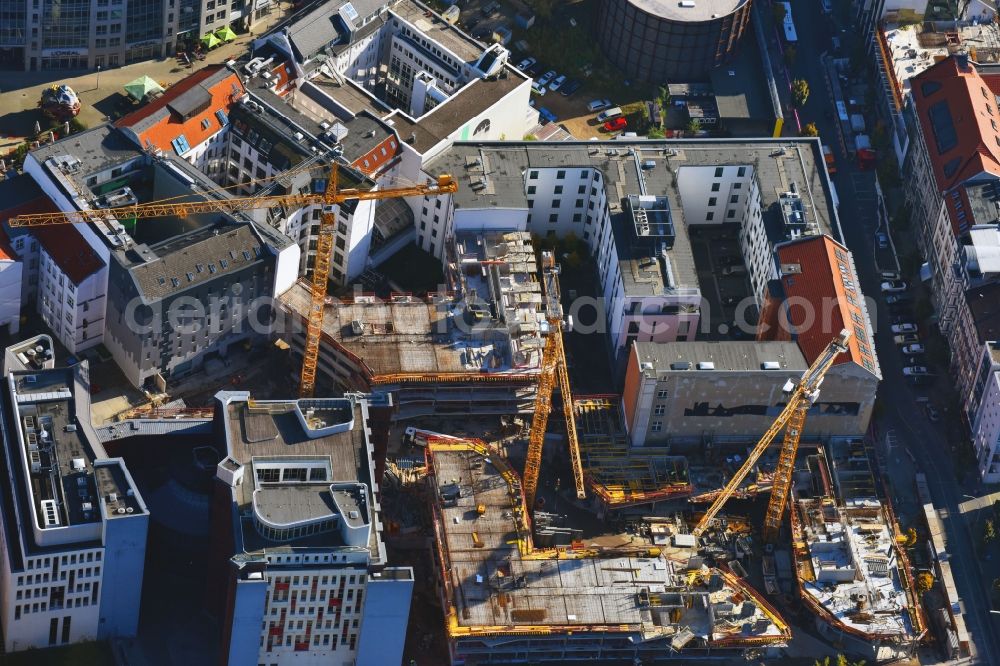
x=74, y=522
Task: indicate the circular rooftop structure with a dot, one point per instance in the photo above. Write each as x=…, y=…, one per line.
x=668, y=41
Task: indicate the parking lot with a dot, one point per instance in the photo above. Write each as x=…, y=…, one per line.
x=588, y=70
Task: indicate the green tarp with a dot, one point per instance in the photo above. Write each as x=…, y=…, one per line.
x=141, y=87
x=210, y=41
x=226, y=34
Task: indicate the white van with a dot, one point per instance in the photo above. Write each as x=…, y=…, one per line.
x=605, y=116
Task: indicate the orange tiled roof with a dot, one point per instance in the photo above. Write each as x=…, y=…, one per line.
x=187, y=108
x=823, y=298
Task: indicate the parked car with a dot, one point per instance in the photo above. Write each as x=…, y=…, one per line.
x=556, y=82
x=883, y=240
x=525, y=64
x=913, y=349
x=897, y=299
x=615, y=124
x=537, y=89
x=546, y=115
x=571, y=87
x=608, y=114
x=904, y=328
x=544, y=79
x=933, y=415
x=915, y=370
x=889, y=275
x=598, y=105
x=905, y=339
x=893, y=286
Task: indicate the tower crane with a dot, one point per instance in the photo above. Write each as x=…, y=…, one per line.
x=792, y=419
x=553, y=371
x=330, y=198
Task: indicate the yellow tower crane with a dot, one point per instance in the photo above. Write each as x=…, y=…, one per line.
x=792, y=418
x=553, y=371
x=331, y=197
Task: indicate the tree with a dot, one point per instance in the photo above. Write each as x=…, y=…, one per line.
x=800, y=93
x=810, y=130
x=694, y=125
x=842, y=660
x=664, y=97
x=989, y=532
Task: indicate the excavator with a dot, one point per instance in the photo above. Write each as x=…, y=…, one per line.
x=330, y=198
x=792, y=419
x=553, y=370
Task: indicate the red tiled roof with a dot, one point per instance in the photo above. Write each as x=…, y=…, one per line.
x=159, y=124
x=820, y=304
x=967, y=127
x=67, y=247
x=20, y=196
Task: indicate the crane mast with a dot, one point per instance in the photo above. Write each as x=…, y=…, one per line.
x=792, y=419
x=330, y=198
x=553, y=371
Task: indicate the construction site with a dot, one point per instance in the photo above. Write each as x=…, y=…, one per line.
x=639, y=559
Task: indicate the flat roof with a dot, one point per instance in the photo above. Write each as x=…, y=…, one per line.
x=725, y=356
x=429, y=22
x=271, y=433
x=689, y=12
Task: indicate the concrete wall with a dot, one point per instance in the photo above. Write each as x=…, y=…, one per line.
x=247, y=614
x=986, y=431
x=11, y=277
x=124, y=560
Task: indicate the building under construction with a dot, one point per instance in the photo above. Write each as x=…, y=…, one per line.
x=473, y=348
x=851, y=571
x=507, y=601
x=619, y=476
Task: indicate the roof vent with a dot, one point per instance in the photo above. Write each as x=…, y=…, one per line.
x=682, y=365
x=706, y=365
x=770, y=365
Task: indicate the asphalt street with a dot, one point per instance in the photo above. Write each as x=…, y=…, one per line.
x=902, y=413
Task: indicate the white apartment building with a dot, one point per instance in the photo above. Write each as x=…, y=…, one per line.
x=74, y=542
x=302, y=575
x=986, y=418
x=72, y=290
x=633, y=204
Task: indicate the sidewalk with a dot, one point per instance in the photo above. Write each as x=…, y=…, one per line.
x=20, y=91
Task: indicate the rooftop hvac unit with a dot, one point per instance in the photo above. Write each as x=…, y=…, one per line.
x=36, y=461
x=120, y=511
x=770, y=365
x=706, y=365
x=357, y=328
x=112, y=497
x=50, y=514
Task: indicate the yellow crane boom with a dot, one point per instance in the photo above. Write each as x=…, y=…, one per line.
x=553, y=371
x=792, y=418
x=332, y=196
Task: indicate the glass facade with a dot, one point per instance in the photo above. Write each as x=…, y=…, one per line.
x=13, y=17
x=66, y=25
x=653, y=49
x=145, y=23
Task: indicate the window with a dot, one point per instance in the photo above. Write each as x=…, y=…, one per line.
x=560, y=174
x=715, y=187
x=532, y=175
x=577, y=217
x=741, y=172
x=718, y=172
x=731, y=214
x=531, y=190
x=658, y=410
x=712, y=201
x=657, y=426
x=661, y=394
x=734, y=199
x=582, y=189
x=709, y=216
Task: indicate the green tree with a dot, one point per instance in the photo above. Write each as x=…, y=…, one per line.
x=841, y=660
x=656, y=133
x=664, y=97
x=810, y=130
x=989, y=532
x=800, y=93
x=694, y=125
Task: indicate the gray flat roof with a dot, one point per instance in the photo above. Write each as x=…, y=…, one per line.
x=97, y=148
x=437, y=29
x=271, y=430
x=726, y=356
x=694, y=11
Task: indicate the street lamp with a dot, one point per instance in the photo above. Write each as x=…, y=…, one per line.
x=98, y=77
